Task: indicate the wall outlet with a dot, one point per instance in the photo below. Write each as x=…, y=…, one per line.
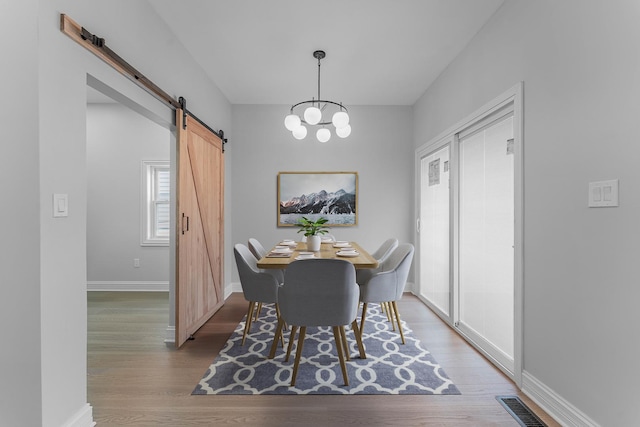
x=136, y=262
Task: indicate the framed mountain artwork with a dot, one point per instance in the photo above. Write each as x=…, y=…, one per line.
x=332, y=195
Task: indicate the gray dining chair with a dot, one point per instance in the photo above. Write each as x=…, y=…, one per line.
x=256, y=248
x=259, y=251
x=258, y=285
x=387, y=285
x=319, y=292
x=380, y=255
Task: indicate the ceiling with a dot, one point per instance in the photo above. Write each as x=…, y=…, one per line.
x=379, y=52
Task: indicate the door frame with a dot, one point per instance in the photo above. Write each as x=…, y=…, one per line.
x=513, y=95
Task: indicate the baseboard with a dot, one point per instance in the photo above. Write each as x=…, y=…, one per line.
x=170, y=336
x=83, y=418
x=410, y=287
x=553, y=404
x=133, y=286
x=235, y=287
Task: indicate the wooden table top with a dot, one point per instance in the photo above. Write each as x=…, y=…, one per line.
x=327, y=251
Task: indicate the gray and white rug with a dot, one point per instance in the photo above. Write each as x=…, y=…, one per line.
x=390, y=366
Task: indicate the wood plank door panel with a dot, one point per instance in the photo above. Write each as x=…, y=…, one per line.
x=199, y=287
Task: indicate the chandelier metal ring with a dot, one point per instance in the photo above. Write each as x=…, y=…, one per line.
x=312, y=102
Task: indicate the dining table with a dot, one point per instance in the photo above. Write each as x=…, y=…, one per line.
x=287, y=251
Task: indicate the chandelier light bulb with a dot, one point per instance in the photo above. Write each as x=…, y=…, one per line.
x=323, y=134
x=312, y=115
x=340, y=119
x=300, y=132
x=344, y=132
x=291, y=122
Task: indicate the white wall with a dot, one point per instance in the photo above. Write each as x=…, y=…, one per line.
x=20, y=387
x=118, y=140
x=379, y=149
x=61, y=78
x=580, y=67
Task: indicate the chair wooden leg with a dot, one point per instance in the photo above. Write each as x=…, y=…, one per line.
x=364, y=313
x=285, y=326
x=390, y=315
x=343, y=365
x=343, y=340
x=356, y=332
x=278, y=314
x=247, y=325
x=276, y=338
x=303, y=332
x=292, y=336
x=385, y=309
x=258, y=311
x=397, y=315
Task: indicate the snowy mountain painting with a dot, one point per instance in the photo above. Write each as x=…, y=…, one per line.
x=319, y=194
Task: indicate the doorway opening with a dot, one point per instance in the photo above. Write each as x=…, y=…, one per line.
x=121, y=135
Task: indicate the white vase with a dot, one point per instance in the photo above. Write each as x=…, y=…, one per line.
x=313, y=243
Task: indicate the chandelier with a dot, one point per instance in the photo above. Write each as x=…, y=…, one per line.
x=313, y=114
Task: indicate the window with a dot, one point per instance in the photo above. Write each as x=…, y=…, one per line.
x=155, y=203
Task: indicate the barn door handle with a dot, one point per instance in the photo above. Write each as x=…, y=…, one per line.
x=185, y=221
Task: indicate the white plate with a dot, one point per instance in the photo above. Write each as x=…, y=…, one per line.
x=301, y=257
x=303, y=253
x=342, y=245
x=326, y=240
x=286, y=250
x=347, y=254
x=288, y=243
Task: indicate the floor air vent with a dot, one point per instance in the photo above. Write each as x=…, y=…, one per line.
x=520, y=411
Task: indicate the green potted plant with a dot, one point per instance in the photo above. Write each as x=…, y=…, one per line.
x=313, y=230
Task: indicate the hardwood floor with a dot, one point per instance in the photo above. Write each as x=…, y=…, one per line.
x=134, y=379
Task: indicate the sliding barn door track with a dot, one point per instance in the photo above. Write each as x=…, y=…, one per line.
x=518, y=410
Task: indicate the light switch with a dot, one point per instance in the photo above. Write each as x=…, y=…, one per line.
x=603, y=194
x=60, y=205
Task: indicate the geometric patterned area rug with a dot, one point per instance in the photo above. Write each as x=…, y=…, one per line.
x=390, y=366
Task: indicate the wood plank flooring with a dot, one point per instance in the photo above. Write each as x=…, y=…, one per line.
x=134, y=379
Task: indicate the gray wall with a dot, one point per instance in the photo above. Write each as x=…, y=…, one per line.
x=580, y=66
x=379, y=149
x=20, y=357
x=118, y=139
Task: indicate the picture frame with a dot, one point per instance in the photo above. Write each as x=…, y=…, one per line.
x=332, y=195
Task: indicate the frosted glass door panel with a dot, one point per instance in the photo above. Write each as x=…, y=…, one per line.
x=434, y=229
x=486, y=234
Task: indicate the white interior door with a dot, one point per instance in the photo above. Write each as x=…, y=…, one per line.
x=434, y=230
x=485, y=281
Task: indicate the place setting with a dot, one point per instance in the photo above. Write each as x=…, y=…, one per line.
x=342, y=244
x=347, y=252
x=280, y=251
x=305, y=255
x=345, y=249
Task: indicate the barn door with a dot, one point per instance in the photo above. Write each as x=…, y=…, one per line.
x=199, y=252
